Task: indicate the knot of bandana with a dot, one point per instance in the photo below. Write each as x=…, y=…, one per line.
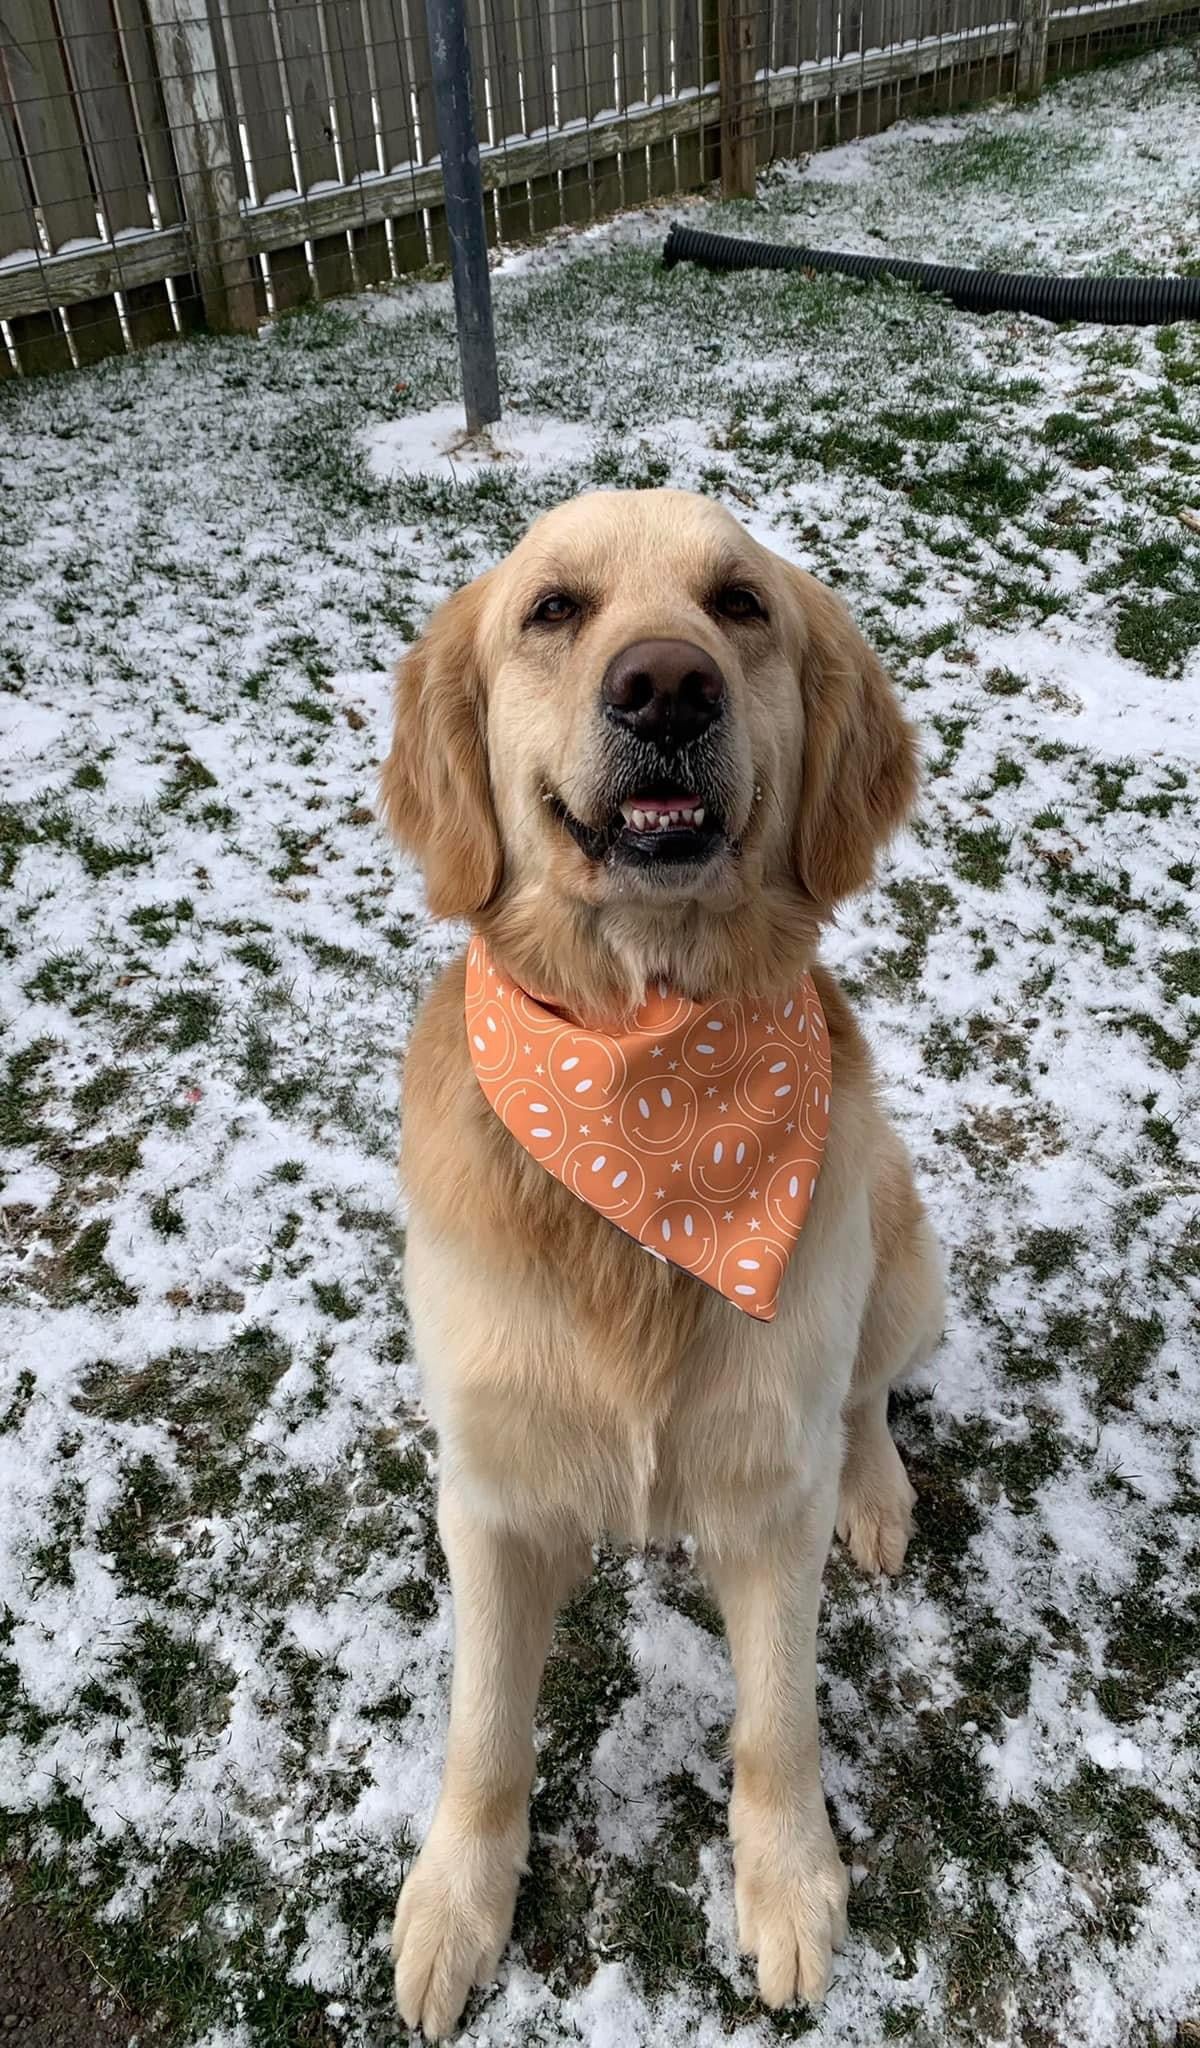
x=699, y=1130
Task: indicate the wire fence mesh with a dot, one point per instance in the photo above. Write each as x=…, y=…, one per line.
x=166, y=163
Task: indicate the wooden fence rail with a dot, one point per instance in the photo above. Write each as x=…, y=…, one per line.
x=169, y=162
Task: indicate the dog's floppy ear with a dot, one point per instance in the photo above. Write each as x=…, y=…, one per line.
x=859, y=776
x=434, y=789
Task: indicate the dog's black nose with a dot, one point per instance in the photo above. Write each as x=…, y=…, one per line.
x=664, y=691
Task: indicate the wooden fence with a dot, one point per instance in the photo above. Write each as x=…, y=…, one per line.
x=165, y=163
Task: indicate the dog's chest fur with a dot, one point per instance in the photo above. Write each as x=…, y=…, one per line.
x=571, y=1373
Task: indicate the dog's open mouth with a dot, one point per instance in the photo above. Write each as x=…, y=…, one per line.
x=655, y=826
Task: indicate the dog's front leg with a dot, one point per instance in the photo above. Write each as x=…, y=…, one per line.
x=789, y=1881
x=456, y=1907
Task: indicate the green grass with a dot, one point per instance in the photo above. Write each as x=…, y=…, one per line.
x=919, y=909
x=981, y=856
x=588, y=1675
x=1085, y=443
x=1049, y=1251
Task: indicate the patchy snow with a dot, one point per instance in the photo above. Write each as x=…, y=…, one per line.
x=437, y=440
x=983, y=171
x=225, y=1633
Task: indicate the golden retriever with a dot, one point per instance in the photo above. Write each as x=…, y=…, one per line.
x=580, y=1387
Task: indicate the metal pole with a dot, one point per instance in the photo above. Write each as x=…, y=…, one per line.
x=463, y=187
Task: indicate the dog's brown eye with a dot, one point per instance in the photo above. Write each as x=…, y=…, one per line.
x=736, y=602
x=553, y=610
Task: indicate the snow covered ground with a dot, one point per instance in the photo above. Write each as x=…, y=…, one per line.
x=224, y=1625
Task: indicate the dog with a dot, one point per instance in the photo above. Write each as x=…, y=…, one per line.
x=645, y=753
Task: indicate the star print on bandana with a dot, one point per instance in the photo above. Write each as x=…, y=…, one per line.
x=718, y=1216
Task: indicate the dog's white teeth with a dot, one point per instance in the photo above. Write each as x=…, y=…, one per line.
x=640, y=820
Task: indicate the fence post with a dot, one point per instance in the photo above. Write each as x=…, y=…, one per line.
x=736, y=33
x=1034, y=36
x=186, y=59
x=463, y=187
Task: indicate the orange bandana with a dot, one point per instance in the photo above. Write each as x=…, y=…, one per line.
x=699, y=1131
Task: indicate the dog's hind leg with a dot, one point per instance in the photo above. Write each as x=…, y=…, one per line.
x=901, y=1327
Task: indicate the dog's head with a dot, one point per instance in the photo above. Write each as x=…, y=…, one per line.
x=644, y=725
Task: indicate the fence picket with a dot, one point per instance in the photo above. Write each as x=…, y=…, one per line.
x=106, y=114
x=309, y=102
x=204, y=154
x=57, y=169
x=538, y=95
x=45, y=115
x=688, y=148
x=257, y=76
x=399, y=139
x=660, y=156
x=533, y=40
x=108, y=122
x=757, y=115
x=18, y=229
x=255, y=67
x=391, y=86
x=420, y=73
x=350, y=75
x=569, y=63
x=570, y=60
x=351, y=80
x=497, y=30
x=307, y=84
x=146, y=93
x=600, y=58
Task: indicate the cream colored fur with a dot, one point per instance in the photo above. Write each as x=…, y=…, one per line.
x=579, y=1389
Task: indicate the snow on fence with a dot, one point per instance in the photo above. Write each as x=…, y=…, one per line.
x=168, y=163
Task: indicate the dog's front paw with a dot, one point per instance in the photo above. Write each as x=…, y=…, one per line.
x=452, y=1921
x=791, y=1890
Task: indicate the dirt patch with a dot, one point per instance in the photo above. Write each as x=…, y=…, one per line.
x=50, y=1996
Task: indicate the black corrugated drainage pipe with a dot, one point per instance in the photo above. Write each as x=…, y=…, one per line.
x=1117, y=301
